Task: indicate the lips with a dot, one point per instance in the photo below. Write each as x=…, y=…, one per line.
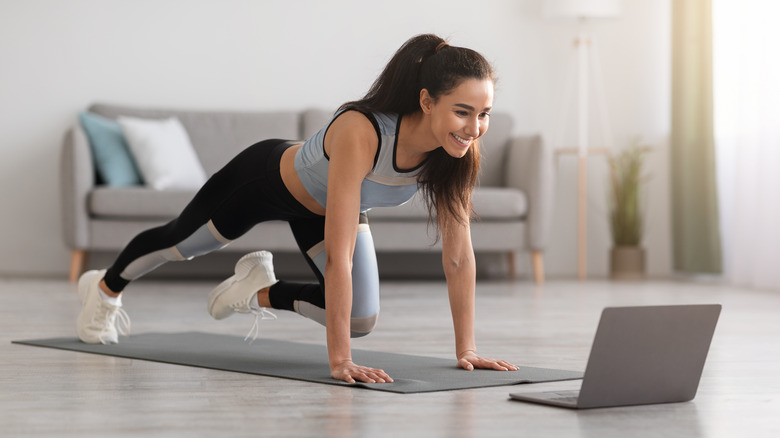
x=460, y=140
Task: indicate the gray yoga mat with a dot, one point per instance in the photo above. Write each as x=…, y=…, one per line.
x=300, y=361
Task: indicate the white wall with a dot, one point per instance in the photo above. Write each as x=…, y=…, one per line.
x=56, y=57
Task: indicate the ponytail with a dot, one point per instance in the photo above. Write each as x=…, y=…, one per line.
x=397, y=89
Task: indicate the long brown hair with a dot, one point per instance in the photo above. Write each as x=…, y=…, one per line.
x=429, y=62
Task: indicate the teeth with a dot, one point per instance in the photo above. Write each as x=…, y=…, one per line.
x=461, y=139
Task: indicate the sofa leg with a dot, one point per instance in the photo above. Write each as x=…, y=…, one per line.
x=512, y=267
x=537, y=259
x=78, y=258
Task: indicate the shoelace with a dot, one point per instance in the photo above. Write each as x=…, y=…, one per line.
x=261, y=313
x=121, y=319
x=122, y=322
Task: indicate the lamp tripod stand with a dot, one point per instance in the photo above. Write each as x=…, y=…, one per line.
x=586, y=59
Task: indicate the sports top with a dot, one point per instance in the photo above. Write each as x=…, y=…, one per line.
x=385, y=186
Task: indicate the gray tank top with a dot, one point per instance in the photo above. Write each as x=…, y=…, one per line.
x=385, y=186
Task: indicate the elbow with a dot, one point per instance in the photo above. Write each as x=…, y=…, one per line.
x=338, y=264
x=458, y=265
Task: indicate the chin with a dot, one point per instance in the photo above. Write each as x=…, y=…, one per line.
x=457, y=153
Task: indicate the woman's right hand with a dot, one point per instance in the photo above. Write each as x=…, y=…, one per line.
x=350, y=372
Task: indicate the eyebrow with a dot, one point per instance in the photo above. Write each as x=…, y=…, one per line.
x=471, y=108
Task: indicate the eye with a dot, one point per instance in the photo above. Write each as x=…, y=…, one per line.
x=462, y=113
x=484, y=115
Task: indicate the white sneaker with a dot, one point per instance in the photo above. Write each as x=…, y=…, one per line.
x=97, y=323
x=238, y=294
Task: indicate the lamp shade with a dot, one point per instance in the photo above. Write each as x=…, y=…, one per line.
x=581, y=8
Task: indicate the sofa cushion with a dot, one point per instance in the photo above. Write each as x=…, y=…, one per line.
x=113, y=160
x=490, y=203
x=138, y=202
x=493, y=203
x=164, y=153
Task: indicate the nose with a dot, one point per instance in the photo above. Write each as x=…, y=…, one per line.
x=472, y=128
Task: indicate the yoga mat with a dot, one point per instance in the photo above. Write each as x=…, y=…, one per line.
x=301, y=361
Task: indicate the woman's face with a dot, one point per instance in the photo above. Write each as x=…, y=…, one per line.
x=460, y=116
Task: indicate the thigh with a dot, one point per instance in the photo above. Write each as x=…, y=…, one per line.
x=230, y=184
x=248, y=190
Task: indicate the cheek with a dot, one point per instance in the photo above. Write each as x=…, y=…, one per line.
x=446, y=125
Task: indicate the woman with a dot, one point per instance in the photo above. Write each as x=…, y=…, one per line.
x=417, y=127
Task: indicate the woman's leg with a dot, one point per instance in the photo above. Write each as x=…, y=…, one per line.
x=228, y=205
x=309, y=299
x=242, y=194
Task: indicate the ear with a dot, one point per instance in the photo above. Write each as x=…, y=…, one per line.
x=426, y=101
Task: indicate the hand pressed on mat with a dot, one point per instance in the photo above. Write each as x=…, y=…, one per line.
x=469, y=361
x=350, y=372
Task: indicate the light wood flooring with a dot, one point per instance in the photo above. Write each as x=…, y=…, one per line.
x=46, y=392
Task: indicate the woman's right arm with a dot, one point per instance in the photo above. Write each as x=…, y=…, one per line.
x=351, y=144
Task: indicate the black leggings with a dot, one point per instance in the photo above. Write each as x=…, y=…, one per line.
x=247, y=191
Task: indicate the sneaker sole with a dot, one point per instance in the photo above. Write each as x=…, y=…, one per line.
x=243, y=270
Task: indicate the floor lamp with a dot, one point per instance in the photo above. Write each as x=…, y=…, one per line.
x=584, y=11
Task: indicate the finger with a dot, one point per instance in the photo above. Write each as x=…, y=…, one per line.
x=378, y=375
x=486, y=362
x=371, y=378
x=363, y=375
x=376, y=378
x=501, y=365
x=508, y=365
x=365, y=379
x=466, y=365
x=497, y=365
x=382, y=377
x=491, y=364
x=370, y=375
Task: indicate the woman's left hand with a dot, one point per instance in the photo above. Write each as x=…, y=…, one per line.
x=469, y=361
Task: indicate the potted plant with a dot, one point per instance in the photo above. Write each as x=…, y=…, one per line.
x=627, y=256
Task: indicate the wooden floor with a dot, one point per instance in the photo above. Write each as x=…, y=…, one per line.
x=47, y=392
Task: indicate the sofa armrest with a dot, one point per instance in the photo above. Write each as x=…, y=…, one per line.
x=77, y=178
x=529, y=167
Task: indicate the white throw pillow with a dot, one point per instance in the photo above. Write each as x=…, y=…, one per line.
x=163, y=152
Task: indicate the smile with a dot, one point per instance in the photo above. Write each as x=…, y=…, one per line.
x=461, y=140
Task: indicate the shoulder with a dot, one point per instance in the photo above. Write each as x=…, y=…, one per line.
x=352, y=133
x=355, y=124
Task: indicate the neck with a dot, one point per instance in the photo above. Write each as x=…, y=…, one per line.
x=415, y=140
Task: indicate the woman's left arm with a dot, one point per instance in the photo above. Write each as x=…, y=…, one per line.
x=461, y=273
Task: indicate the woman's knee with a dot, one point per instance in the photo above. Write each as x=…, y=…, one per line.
x=203, y=241
x=360, y=327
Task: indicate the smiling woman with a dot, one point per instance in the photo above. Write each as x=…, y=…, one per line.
x=417, y=128
x=425, y=69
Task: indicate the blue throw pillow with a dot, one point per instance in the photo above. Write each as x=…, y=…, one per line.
x=114, y=162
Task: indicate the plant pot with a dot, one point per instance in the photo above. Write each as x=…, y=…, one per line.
x=627, y=262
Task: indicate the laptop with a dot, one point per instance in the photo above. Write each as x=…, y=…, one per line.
x=641, y=355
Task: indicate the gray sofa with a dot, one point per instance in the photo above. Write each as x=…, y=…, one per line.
x=513, y=199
